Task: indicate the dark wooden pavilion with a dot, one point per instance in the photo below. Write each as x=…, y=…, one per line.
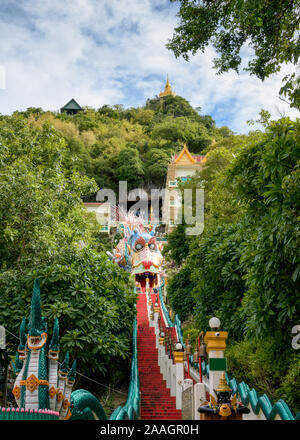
x=71, y=108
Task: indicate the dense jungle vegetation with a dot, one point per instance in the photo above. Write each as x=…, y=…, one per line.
x=49, y=163
x=245, y=267
x=135, y=144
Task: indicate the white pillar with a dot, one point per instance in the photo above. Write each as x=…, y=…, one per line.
x=156, y=330
x=160, y=353
x=187, y=383
x=169, y=370
x=199, y=398
x=178, y=357
x=215, y=376
x=215, y=341
x=173, y=380
x=159, y=356
x=164, y=369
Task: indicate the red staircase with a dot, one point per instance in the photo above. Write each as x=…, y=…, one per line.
x=156, y=401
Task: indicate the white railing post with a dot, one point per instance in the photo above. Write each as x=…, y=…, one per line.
x=173, y=380
x=169, y=369
x=187, y=400
x=160, y=352
x=164, y=370
x=156, y=313
x=178, y=358
x=199, y=398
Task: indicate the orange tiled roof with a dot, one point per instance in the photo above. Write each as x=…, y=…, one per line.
x=197, y=157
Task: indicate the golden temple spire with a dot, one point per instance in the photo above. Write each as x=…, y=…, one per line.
x=168, y=89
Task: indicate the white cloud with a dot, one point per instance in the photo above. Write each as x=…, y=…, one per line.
x=113, y=52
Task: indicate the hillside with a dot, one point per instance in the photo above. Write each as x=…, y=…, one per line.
x=135, y=144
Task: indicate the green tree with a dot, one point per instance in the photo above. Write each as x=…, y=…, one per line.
x=266, y=176
x=181, y=130
x=45, y=232
x=156, y=166
x=179, y=291
x=217, y=274
x=269, y=27
x=177, y=248
x=172, y=106
x=92, y=297
x=129, y=167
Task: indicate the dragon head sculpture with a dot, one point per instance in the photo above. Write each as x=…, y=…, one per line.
x=145, y=256
x=139, y=253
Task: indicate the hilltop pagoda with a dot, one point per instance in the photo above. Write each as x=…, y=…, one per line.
x=168, y=90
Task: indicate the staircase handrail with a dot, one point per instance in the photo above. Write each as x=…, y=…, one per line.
x=248, y=396
x=131, y=409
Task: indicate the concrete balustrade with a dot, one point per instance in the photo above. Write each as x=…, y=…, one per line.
x=173, y=380
x=179, y=372
x=169, y=372
x=199, y=398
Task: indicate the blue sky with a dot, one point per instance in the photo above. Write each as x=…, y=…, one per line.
x=113, y=52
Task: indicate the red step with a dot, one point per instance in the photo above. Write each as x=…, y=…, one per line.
x=156, y=400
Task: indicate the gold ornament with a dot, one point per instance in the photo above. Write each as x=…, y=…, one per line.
x=16, y=392
x=33, y=382
x=225, y=410
x=52, y=392
x=223, y=386
x=60, y=396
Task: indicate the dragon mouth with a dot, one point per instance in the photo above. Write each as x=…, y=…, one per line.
x=143, y=276
x=36, y=342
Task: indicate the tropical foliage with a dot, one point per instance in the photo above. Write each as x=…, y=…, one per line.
x=135, y=144
x=46, y=233
x=270, y=28
x=244, y=268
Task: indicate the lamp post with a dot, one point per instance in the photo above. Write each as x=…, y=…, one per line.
x=214, y=323
x=215, y=341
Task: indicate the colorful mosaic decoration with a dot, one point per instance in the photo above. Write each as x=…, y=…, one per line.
x=43, y=387
x=138, y=251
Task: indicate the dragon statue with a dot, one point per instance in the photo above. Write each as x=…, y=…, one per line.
x=138, y=251
x=43, y=387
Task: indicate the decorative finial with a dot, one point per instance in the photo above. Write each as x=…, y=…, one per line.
x=54, y=345
x=72, y=372
x=36, y=324
x=65, y=365
x=168, y=89
x=22, y=333
x=18, y=364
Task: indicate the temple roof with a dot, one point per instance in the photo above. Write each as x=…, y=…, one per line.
x=71, y=105
x=194, y=158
